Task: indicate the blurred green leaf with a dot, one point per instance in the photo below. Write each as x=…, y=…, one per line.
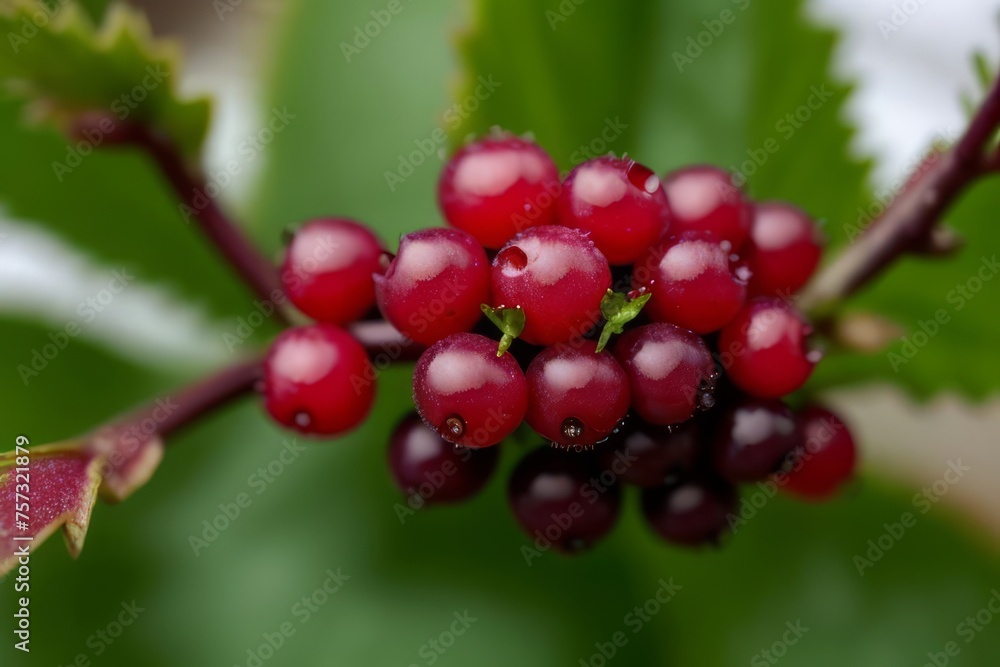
x=63, y=64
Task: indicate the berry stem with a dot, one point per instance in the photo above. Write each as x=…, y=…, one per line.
x=228, y=238
x=910, y=220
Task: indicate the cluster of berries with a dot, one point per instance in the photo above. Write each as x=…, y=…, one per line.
x=646, y=331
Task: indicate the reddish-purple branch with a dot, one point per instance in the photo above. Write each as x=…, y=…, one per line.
x=908, y=222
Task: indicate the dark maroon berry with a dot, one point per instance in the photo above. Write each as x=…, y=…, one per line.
x=435, y=285
x=784, y=249
x=652, y=453
x=696, y=282
x=826, y=458
x=318, y=380
x=431, y=470
x=563, y=499
x=468, y=394
x=670, y=372
x=754, y=439
x=557, y=277
x=327, y=272
x=704, y=199
x=766, y=348
x=576, y=395
x=620, y=202
x=690, y=511
x=497, y=187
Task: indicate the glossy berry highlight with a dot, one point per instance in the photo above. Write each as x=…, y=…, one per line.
x=318, y=380
x=784, y=249
x=619, y=202
x=703, y=199
x=497, y=187
x=754, y=439
x=576, y=395
x=327, y=270
x=435, y=285
x=468, y=394
x=431, y=470
x=692, y=511
x=557, y=277
x=560, y=499
x=826, y=458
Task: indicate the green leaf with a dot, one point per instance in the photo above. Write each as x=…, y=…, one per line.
x=68, y=65
x=618, y=310
x=510, y=321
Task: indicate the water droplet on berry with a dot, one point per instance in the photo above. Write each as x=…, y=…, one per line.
x=643, y=178
x=303, y=419
x=726, y=246
x=572, y=428
x=743, y=273
x=513, y=257
x=705, y=398
x=454, y=426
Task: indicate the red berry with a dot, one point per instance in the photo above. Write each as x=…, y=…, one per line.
x=690, y=512
x=497, y=187
x=327, y=272
x=827, y=458
x=696, y=282
x=649, y=454
x=576, y=396
x=557, y=277
x=784, y=249
x=670, y=372
x=754, y=439
x=563, y=498
x=431, y=470
x=620, y=202
x=468, y=394
x=703, y=198
x=766, y=347
x=435, y=285
x=318, y=380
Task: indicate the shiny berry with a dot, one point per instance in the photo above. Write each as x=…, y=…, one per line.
x=754, y=439
x=690, y=511
x=696, y=282
x=563, y=498
x=576, y=396
x=766, y=348
x=327, y=272
x=670, y=372
x=825, y=459
x=431, y=470
x=435, y=285
x=468, y=394
x=649, y=454
x=784, y=249
x=703, y=198
x=557, y=277
x=620, y=202
x=497, y=187
x=318, y=380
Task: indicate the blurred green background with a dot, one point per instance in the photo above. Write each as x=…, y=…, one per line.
x=565, y=71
